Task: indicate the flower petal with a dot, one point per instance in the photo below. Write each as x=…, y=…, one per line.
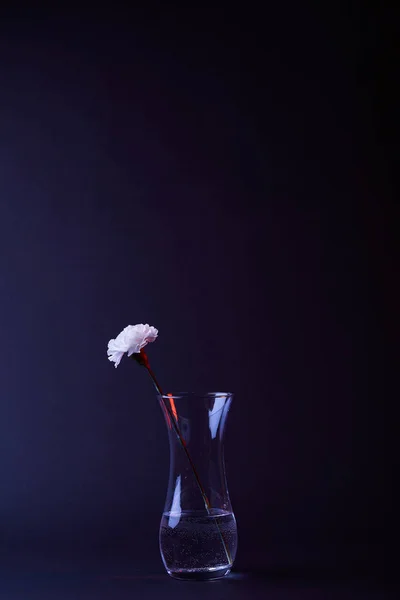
x=131, y=340
x=115, y=357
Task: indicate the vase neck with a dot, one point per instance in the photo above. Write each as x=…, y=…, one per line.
x=196, y=428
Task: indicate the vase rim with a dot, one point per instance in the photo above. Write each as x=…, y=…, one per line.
x=195, y=394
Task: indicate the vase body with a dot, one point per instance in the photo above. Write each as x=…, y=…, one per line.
x=198, y=533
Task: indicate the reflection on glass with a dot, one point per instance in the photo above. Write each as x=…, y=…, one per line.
x=176, y=511
x=215, y=414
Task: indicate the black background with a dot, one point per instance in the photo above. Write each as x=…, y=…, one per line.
x=224, y=175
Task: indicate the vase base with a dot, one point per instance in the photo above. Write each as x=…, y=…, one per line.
x=200, y=574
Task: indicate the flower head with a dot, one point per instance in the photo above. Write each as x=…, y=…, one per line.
x=131, y=340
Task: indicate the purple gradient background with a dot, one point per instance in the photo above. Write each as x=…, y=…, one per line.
x=223, y=178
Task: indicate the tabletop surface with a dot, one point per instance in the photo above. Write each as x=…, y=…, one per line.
x=90, y=577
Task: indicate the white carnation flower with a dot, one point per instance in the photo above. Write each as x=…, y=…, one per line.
x=131, y=340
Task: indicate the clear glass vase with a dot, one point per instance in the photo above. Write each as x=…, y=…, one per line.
x=198, y=534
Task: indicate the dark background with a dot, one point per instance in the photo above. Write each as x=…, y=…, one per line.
x=224, y=176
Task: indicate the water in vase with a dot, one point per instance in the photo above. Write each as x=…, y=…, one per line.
x=196, y=543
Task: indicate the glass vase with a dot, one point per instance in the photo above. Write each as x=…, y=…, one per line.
x=198, y=534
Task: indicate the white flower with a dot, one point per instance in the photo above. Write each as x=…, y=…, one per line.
x=131, y=340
